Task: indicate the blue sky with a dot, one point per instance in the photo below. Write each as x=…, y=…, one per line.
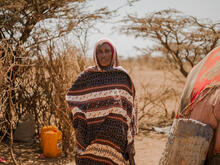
x=125, y=44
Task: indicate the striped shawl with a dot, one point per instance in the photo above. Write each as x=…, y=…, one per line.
x=103, y=116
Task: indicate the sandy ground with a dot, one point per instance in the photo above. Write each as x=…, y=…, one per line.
x=148, y=148
x=148, y=145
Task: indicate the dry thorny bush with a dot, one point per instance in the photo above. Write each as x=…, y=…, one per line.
x=156, y=101
x=157, y=107
x=37, y=86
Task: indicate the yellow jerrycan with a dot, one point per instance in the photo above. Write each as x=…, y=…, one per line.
x=52, y=146
x=43, y=131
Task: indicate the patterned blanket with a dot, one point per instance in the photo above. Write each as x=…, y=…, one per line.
x=103, y=115
x=205, y=75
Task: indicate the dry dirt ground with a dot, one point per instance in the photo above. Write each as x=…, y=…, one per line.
x=149, y=148
x=148, y=143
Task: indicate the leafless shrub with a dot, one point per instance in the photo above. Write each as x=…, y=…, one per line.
x=157, y=98
x=10, y=66
x=59, y=70
x=38, y=86
x=158, y=91
x=157, y=101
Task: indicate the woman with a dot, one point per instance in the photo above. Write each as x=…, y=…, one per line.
x=102, y=110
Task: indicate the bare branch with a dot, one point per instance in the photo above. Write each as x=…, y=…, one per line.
x=183, y=40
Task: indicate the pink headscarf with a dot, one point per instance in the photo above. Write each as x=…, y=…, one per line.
x=114, y=62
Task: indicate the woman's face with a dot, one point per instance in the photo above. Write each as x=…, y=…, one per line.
x=104, y=54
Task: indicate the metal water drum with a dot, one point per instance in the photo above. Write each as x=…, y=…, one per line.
x=187, y=144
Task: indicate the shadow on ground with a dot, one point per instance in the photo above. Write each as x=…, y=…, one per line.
x=30, y=154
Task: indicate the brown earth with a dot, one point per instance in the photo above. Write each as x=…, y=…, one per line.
x=149, y=148
x=148, y=145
